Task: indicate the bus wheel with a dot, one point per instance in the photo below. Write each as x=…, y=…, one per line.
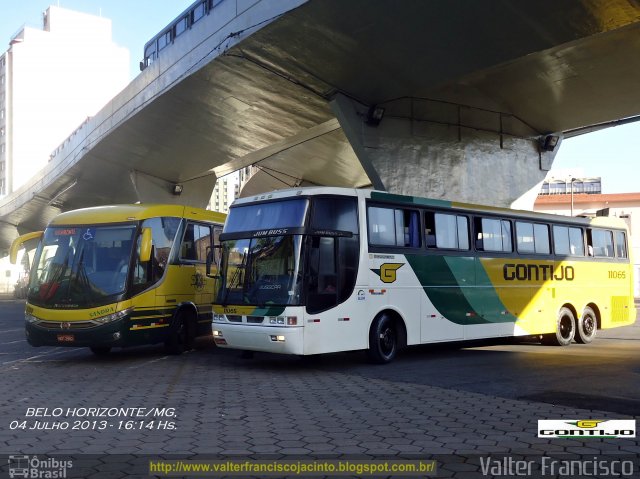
x=565, y=329
x=181, y=334
x=586, y=326
x=100, y=350
x=383, y=340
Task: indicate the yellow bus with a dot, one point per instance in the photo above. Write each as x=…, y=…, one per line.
x=318, y=270
x=123, y=275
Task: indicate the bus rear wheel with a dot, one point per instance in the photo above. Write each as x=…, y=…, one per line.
x=586, y=326
x=383, y=340
x=565, y=329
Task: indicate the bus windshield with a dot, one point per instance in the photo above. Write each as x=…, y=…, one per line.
x=262, y=271
x=80, y=266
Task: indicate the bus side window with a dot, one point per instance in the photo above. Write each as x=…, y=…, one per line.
x=163, y=231
x=429, y=230
x=568, y=241
x=493, y=235
x=394, y=227
x=196, y=240
x=601, y=241
x=621, y=244
x=187, y=247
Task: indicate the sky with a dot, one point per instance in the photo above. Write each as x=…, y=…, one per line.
x=133, y=22
x=612, y=154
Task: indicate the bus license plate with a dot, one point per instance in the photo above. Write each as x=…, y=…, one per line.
x=65, y=338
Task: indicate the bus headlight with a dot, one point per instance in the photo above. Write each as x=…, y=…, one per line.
x=218, y=317
x=281, y=320
x=112, y=317
x=30, y=319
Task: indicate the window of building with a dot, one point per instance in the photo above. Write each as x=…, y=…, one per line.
x=532, y=238
x=447, y=231
x=182, y=25
x=568, y=241
x=164, y=40
x=198, y=12
x=493, y=235
x=557, y=188
x=393, y=227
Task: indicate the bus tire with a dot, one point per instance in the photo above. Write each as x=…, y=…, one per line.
x=565, y=329
x=383, y=340
x=586, y=326
x=181, y=334
x=100, y=350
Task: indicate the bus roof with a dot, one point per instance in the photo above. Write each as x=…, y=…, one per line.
x=428, y=202
x=125, y=213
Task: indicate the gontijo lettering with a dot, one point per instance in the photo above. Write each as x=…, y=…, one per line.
x=537, y=272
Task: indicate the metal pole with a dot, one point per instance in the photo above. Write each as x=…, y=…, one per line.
x=572, y=180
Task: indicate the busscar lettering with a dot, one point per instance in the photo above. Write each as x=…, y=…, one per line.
x=537, y=272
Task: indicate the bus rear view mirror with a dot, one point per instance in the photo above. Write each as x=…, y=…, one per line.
x=145, y=245
x=18, y=242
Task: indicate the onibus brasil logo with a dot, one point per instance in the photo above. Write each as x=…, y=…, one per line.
x=610, y=428
x=40, y=468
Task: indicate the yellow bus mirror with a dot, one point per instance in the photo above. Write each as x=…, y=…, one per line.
x=18, y=242
x=145, y=245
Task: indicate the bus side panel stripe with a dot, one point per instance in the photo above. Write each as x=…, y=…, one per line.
x=441, y=277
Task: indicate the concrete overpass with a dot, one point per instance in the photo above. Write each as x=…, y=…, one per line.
x=450, y=99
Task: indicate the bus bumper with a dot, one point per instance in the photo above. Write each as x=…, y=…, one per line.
x=77, y=334
x=287, y=340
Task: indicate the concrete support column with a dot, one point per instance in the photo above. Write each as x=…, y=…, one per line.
x=442, y=150
x=151, y=189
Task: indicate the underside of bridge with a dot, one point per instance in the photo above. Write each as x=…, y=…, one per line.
x=449, y=99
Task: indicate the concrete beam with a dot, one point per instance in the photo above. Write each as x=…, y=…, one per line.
x=443, y=150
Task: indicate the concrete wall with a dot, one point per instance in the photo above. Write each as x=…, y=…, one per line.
x=453, y=152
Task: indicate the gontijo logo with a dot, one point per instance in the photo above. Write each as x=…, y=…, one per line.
x=387, y=271
x=611, y=428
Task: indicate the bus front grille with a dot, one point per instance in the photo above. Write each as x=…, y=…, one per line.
x=66, y=324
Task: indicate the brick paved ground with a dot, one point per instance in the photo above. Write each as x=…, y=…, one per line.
x=277, y=406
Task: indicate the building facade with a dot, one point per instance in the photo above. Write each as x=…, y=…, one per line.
x=228, y=188
x=51, y=80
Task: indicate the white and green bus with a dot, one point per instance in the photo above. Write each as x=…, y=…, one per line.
x=321, y=269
